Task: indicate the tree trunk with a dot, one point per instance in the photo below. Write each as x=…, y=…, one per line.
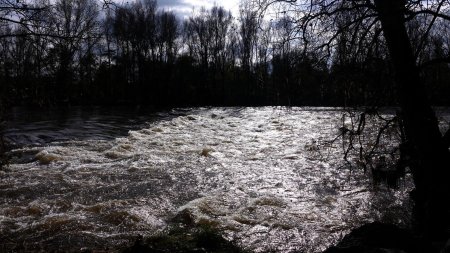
x=431, y=164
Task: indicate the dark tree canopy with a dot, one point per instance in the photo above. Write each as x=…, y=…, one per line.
x=298, y=53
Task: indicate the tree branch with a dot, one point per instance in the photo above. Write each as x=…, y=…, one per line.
x=427, y=32
x=446, y=138
x=435, y=61
x=412, y=15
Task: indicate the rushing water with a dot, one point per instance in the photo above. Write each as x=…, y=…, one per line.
x=263, y=177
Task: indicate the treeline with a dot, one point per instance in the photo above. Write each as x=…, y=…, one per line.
x=81, y=52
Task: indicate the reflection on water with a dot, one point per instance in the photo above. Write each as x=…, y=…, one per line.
x=257, y=175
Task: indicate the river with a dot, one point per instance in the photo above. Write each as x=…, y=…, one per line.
x=266, y=178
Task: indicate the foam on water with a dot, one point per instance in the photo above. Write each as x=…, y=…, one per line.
x=258, y=175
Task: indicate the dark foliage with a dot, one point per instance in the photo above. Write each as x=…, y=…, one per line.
x=74, y=52
x=379, y=237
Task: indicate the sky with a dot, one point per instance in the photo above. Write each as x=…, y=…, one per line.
x=184, y=8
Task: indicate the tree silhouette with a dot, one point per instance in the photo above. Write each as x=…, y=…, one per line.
x=338, y=26
x=431, y=170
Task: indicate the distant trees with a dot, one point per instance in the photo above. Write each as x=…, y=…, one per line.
x=75, y=24
x=87, y=51
x=168, y=33
x=248, y=31
x=45, y=44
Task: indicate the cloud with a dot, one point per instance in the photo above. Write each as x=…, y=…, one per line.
x=172, y=3
x=184, y=8
x=180, y=7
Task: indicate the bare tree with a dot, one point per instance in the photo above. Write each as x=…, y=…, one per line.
x=320, y=24
x=168, y=31
x=19, y=13
x=75, y=26
x=201, y=35
x=248, y=31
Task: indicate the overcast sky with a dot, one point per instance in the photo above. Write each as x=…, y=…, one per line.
x=183, y=8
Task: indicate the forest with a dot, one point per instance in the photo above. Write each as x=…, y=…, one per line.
x=88, y=52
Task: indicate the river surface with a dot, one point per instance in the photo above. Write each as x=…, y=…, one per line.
x=266, y=178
